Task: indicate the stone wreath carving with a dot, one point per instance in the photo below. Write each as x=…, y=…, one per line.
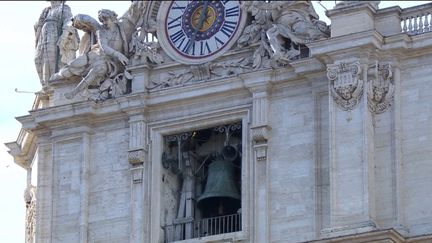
x=380, y=89
x=346, y=87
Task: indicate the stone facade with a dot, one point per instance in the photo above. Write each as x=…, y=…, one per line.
x=336, y=146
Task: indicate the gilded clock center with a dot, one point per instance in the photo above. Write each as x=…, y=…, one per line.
x=209, y=19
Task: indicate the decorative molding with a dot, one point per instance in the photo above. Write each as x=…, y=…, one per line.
x=346, y=86
x=136, y=156
x=260, y=133
x=201, y=73
x=137, y=174
x=261, y=152
x=380, y=89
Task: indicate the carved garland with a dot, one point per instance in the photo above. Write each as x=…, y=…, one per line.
x=346, y=87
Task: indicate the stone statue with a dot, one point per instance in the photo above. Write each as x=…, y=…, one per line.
x=106, y=59
x=261, y=22
x=52, y=22
x=68, y=44
x=280, y=27
x=297, y=21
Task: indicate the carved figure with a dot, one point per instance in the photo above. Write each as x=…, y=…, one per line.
x=68, y=44
x=280, y=27
x=48, y=29
x=89, y=26
x=261, y=22
x=145, y=51
x=380, y=90
x=105, y=60
x=297, y=21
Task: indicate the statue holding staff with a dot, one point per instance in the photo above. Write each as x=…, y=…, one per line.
x=52, y=23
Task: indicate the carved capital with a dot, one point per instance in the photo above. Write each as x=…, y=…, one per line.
x=260, y=133
x=380, y=88
x=346, y=86
x=136, y=156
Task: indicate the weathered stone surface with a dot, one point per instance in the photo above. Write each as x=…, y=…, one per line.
x=320, y=162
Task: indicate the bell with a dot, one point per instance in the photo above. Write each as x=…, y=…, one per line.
x=220, y=196
x=229, y=153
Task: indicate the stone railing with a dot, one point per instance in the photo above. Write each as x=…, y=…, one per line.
x=417, y=20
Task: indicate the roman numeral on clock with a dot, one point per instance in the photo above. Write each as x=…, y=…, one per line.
x=186, y=47
x=174, y=23
x=228, y=28
x=232, y=12
x=204, y=47
x=218, y=41
x=177, y=36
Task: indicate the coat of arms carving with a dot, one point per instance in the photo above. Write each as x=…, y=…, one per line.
x=346, y=87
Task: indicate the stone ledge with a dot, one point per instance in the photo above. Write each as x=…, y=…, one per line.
x=381, y=236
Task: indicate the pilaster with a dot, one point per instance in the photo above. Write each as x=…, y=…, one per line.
x=44, y=194
x=352, y=201
x=398, y=158
x=139, y=170
x=260, y=89
x=85, y=188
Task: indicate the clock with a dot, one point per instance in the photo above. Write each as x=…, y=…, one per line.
x=196, y=32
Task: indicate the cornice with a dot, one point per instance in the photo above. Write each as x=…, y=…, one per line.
x=370, y=39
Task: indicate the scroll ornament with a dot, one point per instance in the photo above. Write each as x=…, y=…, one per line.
x=346, y=87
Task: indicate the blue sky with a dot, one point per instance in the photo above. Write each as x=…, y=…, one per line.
x=18, y=72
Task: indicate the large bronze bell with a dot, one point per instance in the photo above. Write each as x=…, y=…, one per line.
x=220, y=196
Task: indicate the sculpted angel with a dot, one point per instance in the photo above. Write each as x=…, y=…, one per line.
x=104, y=50
x=295, y=21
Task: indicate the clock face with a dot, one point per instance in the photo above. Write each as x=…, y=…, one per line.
x=196, y=32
